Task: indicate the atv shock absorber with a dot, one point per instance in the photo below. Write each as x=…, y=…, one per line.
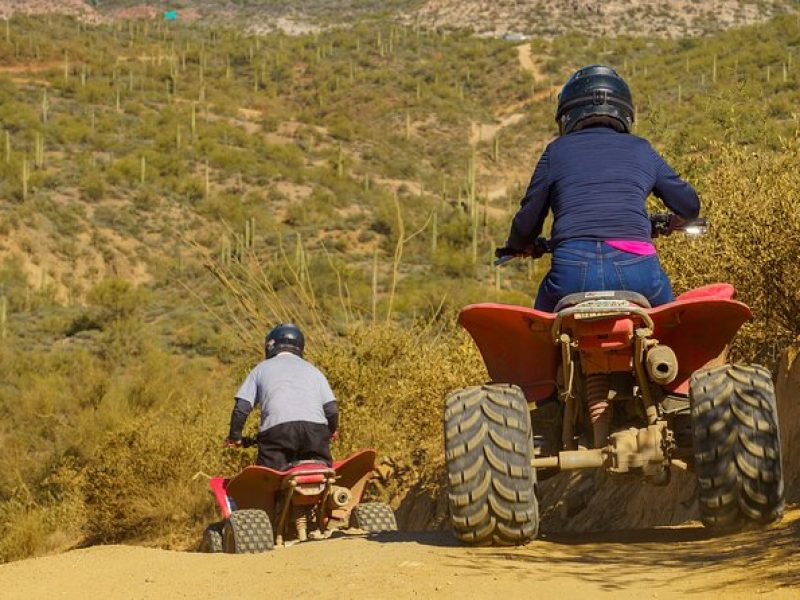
x=597, y=388
x=301, y=522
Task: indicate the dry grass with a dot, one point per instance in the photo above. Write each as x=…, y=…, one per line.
x=752, y=201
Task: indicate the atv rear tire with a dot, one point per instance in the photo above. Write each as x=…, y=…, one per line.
x=488, y=451
x=737, y=450
x=212, y=538
x=247, y=532
x=373, y=517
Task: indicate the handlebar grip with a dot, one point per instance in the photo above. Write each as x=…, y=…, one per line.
x=504, y=259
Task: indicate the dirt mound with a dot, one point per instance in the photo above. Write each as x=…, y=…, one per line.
x=788, y=389
x=661, y=562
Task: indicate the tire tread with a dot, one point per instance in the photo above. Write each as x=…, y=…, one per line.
x=488, y=448
x=736, y=447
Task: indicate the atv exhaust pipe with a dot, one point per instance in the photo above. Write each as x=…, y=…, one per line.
x=662, y=365
x=340, y=497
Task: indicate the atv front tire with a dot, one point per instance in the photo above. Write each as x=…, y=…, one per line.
x=488, y=451
x=247, y=532
x=737, y=448
x=373, y=517
x=212, y=538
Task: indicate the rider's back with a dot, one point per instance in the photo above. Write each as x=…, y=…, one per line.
x=598, y=180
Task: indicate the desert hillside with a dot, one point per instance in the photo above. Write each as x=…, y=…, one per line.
x=658, y=18
x=170, y=190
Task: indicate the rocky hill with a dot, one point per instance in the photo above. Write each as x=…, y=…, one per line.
x=660, y=18
x=76, y=8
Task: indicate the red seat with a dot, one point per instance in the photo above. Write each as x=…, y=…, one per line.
x=306, y=466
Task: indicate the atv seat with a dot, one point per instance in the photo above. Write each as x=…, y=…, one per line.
x=580, y=297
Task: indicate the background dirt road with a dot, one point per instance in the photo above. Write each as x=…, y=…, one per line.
x=648, y=563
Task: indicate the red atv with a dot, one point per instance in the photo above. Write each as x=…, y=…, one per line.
x=607, y=382
x=311, y=499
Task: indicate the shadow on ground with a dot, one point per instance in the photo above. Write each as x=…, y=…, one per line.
x=615, y=560
x=620, y=558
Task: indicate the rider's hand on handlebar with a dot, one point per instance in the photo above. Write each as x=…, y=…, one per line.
x=229, y=443
x=506, y=251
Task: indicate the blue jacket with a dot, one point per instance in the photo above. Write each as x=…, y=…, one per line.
x=596, y=181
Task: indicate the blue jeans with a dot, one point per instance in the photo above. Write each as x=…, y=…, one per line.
x=589, y=266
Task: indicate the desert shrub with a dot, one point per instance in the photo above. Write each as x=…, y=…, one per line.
x=141, y=482
x=751, y=199
x=93, y=186
x=116, y=298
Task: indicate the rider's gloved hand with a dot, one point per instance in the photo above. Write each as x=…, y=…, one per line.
x=507, y=251
x=503, y=252
x=229, y=443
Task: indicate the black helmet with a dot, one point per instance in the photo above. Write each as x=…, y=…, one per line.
x=595, y=95
x=285, y=337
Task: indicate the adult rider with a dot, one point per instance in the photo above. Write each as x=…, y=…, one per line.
x=595, y=178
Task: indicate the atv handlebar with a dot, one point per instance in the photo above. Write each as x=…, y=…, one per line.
x=667, y=223
x=661, y=224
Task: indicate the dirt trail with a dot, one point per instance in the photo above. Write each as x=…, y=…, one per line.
x=649, y=563
x=506, y=117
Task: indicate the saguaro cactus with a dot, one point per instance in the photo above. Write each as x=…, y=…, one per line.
x=25, y=178
x=3, y=316
x=340, y=163
x=45, y=106
x=38, y=157
x=434, y=232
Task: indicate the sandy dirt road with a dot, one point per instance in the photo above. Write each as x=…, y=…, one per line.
x=649, y=563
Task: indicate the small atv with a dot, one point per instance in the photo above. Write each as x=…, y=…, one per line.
x=607, y=382
x=310, y=499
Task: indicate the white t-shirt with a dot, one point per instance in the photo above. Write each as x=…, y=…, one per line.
x=287, y=388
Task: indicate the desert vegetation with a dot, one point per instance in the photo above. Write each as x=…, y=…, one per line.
x=169, y=191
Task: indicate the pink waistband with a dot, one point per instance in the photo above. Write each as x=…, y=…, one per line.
x=640, y=248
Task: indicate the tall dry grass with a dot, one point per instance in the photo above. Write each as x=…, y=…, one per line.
x=752, y=199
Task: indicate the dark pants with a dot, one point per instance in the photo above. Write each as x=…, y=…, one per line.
x=587, y=266
x=281, y=446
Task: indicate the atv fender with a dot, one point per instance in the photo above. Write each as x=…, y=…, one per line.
x=517, y=344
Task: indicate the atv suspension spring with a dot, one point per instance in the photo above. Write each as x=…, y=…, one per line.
x=301, y=522
x=597, y=388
